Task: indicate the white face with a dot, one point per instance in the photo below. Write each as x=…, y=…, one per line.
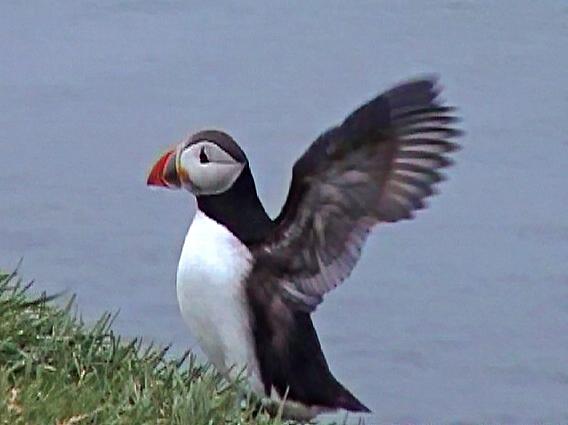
x=206, y=169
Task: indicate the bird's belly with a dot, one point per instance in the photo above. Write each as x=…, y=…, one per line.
x=210, y=291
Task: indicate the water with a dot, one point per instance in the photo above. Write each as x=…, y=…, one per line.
x=458, y=316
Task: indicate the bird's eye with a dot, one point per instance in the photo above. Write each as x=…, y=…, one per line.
x=203, y=159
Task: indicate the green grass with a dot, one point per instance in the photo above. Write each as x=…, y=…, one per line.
x=56, y=370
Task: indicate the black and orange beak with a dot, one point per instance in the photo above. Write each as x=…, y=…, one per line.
x=164, y=173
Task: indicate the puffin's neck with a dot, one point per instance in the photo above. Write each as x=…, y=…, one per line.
x=239, y=210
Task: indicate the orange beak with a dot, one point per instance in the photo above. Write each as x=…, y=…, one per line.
x=164, y=172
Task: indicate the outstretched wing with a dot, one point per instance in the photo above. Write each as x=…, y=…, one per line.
x=377, y=166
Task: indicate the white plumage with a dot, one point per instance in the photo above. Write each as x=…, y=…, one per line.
x=210, y=292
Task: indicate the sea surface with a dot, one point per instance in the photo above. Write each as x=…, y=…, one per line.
x=460, y=316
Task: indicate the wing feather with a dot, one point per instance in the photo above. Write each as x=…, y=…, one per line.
x=379, y=165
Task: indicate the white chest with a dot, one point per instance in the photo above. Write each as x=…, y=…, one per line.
x=211, y=295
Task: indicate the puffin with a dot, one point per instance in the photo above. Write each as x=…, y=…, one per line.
x=247, y=284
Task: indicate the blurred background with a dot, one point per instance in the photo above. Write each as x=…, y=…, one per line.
x=460, y=316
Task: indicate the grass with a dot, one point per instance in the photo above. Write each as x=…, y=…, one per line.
x=56, y=370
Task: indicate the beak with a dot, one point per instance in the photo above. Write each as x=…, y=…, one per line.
x=164, y=173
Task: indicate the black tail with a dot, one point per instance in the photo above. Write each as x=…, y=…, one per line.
x=300, y=372
x=346, y=400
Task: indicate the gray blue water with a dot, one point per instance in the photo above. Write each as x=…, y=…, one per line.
x=460, y=316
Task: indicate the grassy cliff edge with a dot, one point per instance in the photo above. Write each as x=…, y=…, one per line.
x=56, y=370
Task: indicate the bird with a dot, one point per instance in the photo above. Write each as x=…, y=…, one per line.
x=248, y=284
